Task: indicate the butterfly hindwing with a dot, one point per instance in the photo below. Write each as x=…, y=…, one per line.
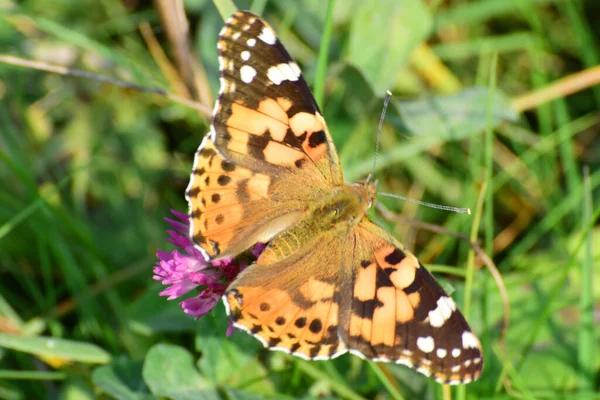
x=291, y=299
x=399, y=313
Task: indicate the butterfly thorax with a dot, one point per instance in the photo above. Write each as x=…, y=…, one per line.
x=331, y=215
x=345, y=205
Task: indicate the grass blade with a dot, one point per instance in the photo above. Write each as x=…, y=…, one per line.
x=319, y=89
x=586, y=355
x=225, y=7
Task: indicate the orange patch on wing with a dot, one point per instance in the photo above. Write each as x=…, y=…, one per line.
x=361, y=327
x=239, y=140
x=384, y=318
x=258, y=186
x=273, y=108
x=382, y=253
x=253, y=122
x=284, y=103
x=315, y=289
x=365, y=285
x=414, y=299
x=404, y=310
x=280, y=154
x=318, y=318
x=404, y=274
x=218, y=225
x=308, y=123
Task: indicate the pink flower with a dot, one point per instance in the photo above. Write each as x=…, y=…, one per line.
x=186, y=270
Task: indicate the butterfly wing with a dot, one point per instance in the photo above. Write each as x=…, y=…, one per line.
x=291, y=298
x=268, y=153
x=266, y=118
x=399, y=313
x=230, y=206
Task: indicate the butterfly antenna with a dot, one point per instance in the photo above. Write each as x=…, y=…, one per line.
x=388, y=96
x=424, y=203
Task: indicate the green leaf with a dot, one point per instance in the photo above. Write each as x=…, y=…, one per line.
x=55, y=347
x=234, y=394
x=76, y=389
x=122, y=379
x=383, y=34
x=454, y=116
x=550, y=369
x=170, y=371
x=230, y=360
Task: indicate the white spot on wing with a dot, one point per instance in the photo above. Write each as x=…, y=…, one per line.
x=443, y=311
x=236, y=35
x=275, y=75
x=456, y=352
x=245, y=55
x=426, y=344
x=456, y=368
x=251, y=42
x=283, y=72
x=441, y=353
x=267, y=35
x=247, y=73
x=296, y=69
x=469, y=340
x=289, y=72
x=222, y=86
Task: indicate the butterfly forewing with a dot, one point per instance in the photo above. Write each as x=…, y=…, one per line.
x=266, y=116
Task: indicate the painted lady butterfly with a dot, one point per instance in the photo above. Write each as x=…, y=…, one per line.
x=330, y=281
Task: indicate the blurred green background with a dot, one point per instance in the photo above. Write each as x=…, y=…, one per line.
x=88, y=171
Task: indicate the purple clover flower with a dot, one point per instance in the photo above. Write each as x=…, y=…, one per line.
x=185, y=269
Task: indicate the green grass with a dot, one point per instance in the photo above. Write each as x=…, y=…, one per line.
x=88, y=170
